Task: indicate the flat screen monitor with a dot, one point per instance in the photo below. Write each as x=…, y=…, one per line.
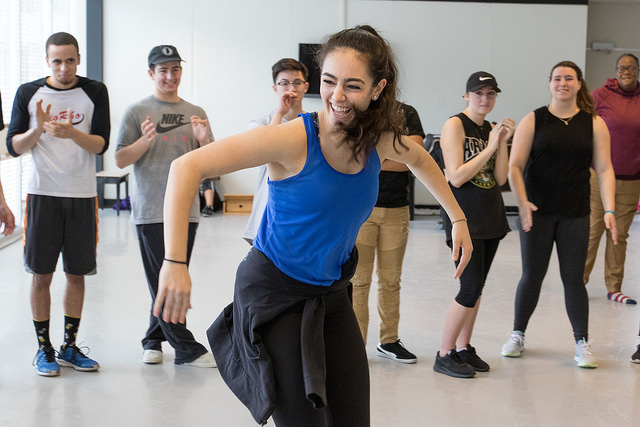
x=306, y=55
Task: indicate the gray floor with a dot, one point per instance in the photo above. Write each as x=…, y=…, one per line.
x=542, y=388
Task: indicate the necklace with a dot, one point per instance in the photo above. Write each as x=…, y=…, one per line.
x=565, y=121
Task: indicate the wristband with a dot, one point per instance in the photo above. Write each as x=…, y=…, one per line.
x=459, y=220
x=175, y=262
x=611, y=212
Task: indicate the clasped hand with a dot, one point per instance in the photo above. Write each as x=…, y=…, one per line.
x=501, y=133
x=62, y=129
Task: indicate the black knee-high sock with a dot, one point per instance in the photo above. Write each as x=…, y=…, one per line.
x=71, y=325
x=42, y=332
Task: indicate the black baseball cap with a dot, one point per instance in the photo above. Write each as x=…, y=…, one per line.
x=163, y=53
x=481, y=79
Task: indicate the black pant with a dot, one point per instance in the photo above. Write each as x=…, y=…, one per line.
x=571, y=236
x=475, y=273
x=346, y=368
x=151, y=240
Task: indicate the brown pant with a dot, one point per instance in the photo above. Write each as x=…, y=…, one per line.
x=387, y=231
x=627, y=193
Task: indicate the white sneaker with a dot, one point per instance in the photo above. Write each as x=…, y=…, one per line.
x=514, y=345
x=204, y=361
x=584, y=357
x=152, y=356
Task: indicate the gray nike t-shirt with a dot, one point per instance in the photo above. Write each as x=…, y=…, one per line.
x=175, y=138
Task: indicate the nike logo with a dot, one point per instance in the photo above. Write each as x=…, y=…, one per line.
x=163, y=129
x=484, y=78
x=170, y=121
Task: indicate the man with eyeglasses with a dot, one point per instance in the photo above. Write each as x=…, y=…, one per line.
x=289, y=84
x=154, y=132
x=617, y=102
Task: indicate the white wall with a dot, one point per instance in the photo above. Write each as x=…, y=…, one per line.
x=230, y=46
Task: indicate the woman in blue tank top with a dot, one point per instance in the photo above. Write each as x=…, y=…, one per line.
x=289, y=345
x=552, y=150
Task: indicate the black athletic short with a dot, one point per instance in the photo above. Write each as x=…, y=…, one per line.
x=60, y=224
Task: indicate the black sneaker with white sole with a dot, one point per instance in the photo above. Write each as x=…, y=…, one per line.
x=396, y=351
x=452, y=365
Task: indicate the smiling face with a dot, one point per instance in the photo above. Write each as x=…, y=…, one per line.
x=627, y=73
x=63, y=61
x=166, y=77
x=564, y=84
x=346, y=85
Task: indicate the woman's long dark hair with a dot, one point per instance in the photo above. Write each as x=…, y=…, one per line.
x=384, y=114
x=584, y=100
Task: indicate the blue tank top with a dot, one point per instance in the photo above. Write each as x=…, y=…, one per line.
x=312, y=219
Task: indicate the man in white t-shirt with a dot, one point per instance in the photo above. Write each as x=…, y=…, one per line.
x=63, y=120
x=289, y=84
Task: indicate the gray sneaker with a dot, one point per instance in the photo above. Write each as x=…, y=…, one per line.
x=514, y=345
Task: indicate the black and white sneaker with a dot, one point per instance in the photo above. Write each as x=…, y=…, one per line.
x=396, y=351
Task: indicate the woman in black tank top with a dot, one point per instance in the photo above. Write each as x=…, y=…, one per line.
x=476, y=163
x=549, y=175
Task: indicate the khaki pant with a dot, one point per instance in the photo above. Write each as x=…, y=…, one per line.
x=614, y=256
x=386, y=231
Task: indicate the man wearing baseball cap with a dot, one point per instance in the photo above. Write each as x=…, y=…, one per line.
x=154, y=132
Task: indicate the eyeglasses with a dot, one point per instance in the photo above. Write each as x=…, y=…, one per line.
x=287, y=83
x=632, y=69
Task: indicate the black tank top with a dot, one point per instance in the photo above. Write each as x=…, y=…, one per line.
x=557, y=174
x=480, y=198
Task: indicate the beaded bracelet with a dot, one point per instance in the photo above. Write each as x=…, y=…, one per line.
x=175, y=262
x=459, y=220
x=611, y=212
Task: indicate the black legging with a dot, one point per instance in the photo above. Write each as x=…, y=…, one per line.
x=571, y=236
x=346, y=367
x=475, y=273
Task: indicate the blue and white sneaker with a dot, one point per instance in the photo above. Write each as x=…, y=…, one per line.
x=74, y=358
x=45, y=363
